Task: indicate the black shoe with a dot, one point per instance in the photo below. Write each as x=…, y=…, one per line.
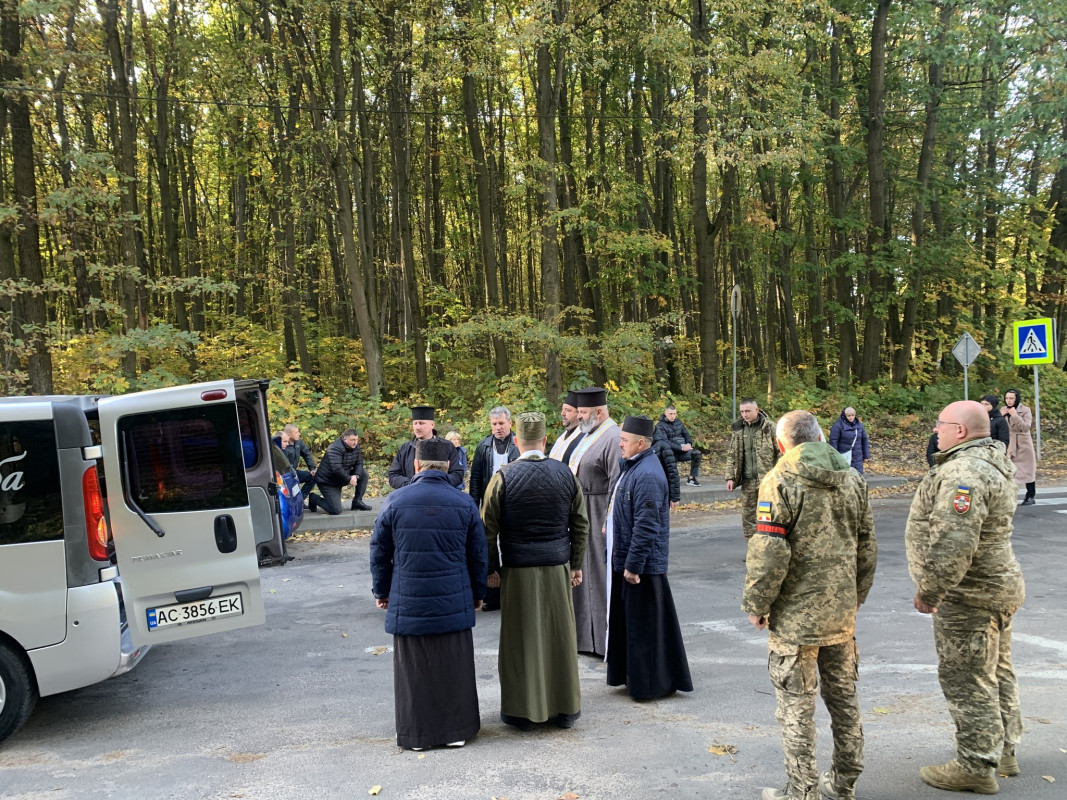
x=359, y=505
x=490, y=607
x=567, y=720
x=1028, y=501
x=692, y=482
x=521, y=723
x=312, y=506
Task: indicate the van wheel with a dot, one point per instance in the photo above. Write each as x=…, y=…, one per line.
x=18, y=692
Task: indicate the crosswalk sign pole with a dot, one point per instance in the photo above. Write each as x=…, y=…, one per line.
x=1037, y=412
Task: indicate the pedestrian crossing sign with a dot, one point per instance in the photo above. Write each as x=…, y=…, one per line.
x=1034, y=341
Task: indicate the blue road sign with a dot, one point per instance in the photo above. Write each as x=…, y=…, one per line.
x=1034, y=340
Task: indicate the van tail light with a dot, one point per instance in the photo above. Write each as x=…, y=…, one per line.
x=95, y=522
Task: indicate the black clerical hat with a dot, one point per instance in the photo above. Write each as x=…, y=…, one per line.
x=639, y=426
x=422, y=412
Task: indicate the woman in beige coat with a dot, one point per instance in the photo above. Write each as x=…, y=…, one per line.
x=1021, y=446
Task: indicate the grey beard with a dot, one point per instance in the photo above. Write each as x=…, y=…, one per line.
x=589, y=425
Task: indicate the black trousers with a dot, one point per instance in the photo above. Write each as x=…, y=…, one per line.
x=693, y=456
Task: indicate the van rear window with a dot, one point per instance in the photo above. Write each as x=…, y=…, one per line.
x=184, y=459
x=31, y=502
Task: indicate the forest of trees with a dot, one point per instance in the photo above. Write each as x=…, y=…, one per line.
x=399, y=196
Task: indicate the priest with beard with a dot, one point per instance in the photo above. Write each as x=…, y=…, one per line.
x=563, y=448
x=595, y=462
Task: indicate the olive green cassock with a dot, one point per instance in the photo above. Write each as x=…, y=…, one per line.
x=958, y=539
x=537, y=659
x=810, y=564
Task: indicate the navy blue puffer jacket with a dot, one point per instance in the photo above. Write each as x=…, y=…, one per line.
x=428, y=556
x=641, y=517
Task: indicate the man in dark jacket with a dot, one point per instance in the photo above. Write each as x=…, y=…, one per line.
x=670, y=469
x=492, y=452
x=535, y=509
x=645, y=649
x=672, y=430
x=342, y=465
x=428, y=561
x=402, y=470
x=998, y=426
x=295, y=450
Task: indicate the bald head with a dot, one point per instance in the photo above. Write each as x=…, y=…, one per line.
x=961, y=422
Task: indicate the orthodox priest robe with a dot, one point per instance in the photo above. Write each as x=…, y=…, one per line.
x=595, y=462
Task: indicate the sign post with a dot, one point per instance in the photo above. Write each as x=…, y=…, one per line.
x=966, y=351
x=1035, y=343
x=735, y=312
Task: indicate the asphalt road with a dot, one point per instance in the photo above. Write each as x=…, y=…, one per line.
x=302, y=707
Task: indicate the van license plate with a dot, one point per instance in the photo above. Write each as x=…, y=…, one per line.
x=228, y=605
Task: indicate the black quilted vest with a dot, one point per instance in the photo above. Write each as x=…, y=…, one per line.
x=536, y=512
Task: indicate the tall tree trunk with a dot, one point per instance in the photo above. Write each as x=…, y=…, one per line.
x=482, y=182
x=935, y=87
x=398, y=38
x=703, y=230
x=125, y=149
x=548, y=72
x=874, y=312
x=16, y=110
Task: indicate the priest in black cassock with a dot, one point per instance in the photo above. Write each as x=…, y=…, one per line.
x=428, y=563
x=645, y=649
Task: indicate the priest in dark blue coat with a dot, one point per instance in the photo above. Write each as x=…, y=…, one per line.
x=645, y=650
x=429, y=561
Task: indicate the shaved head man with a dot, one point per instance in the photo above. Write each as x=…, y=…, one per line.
x=960, y=558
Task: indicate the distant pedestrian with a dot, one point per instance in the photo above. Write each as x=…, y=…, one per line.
x=453, y=436
x=296, y=450
x=848, y=436
x=645, y=652
x=810, y=566
x=998, y=424
x=960, y=558
x=752, y=454
x=1021, y=447
x=428, y=561
x=672, y=430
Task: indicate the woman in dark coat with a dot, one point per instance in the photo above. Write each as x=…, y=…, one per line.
x=998, y=426
x=849, y=437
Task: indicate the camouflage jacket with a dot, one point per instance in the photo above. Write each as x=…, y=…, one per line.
x=958, y=535
x=766, y=448
x=812, y=560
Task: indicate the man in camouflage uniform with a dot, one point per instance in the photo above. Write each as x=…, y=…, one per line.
x=810, y=566
x=958, y=539
x=753, y=453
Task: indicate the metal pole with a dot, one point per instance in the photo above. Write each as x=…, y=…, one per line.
x=734, y=326
x=1037, y=412
x=965, y=382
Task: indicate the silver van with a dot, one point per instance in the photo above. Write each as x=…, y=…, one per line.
x=126, y=522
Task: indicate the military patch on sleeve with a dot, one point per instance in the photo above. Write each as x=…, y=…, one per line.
x=962, y=501
x=763, y=511
x=772, y=529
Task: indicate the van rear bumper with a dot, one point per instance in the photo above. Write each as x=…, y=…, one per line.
x=129, y=653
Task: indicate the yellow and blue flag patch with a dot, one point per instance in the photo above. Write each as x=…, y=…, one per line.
x=962, y=502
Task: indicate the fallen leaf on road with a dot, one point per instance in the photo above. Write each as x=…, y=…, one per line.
x=1049, y=778
x=880, y=710
x=422, y=755
x=568, y=796
x=274, y=591
x=344, y=635
x=722, y=749
x=1042, y=720
x=380, y=650
x=374, y=790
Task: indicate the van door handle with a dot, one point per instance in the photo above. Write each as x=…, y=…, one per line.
x=193, y=595
x=225, y=533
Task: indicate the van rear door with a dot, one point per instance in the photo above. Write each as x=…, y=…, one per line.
x=180, y=517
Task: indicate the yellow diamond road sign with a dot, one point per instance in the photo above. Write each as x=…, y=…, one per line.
x=1034, y=341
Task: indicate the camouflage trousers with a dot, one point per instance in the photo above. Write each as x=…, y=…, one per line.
x=796, y=671
x=978, y=681
x=749, y=497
